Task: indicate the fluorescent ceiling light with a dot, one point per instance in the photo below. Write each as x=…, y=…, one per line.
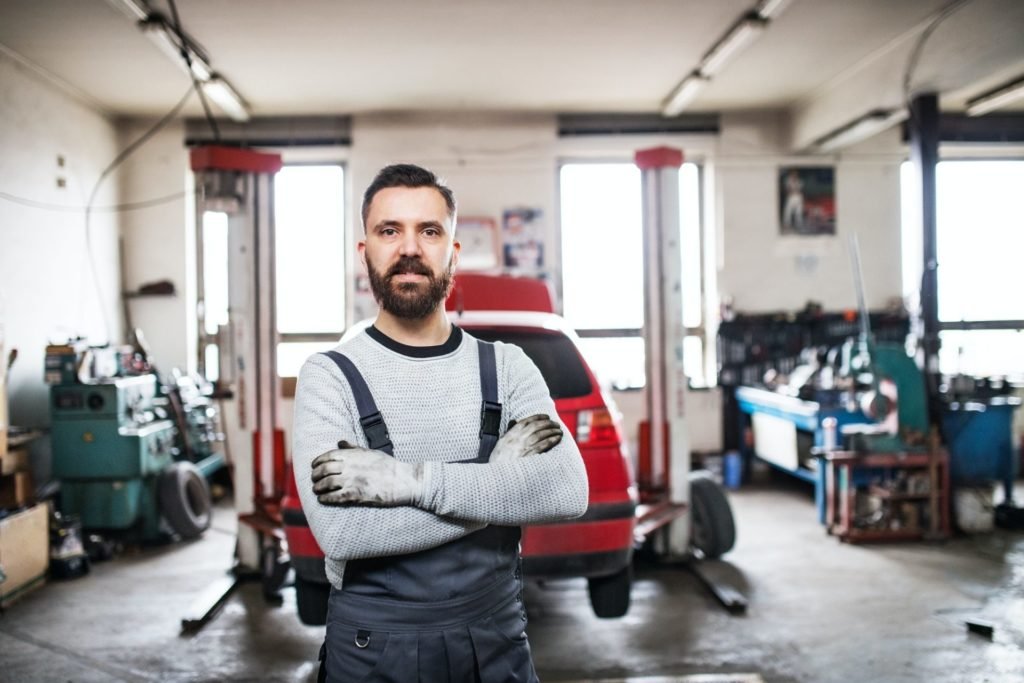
x=862, y=128
x=225, y=97
x=167, y=39
x=739, y=36
x=768, y=9
x=683, y=94
x=996, y=99
x=135, y=9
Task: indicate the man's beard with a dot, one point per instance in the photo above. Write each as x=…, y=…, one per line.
x=409, y=300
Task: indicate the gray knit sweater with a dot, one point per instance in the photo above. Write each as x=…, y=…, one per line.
x=430, y=400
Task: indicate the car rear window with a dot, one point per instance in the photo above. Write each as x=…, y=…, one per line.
x=554, y=355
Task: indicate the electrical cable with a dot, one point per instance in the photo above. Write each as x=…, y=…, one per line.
x=118, y=160
x=113, y=208
x=183, y=47
x=915, y=54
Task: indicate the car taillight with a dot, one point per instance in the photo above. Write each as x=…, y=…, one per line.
x=596, y=428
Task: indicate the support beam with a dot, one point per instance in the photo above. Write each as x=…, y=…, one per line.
x=924, y=154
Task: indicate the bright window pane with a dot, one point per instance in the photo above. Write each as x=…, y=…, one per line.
x=982, y=353
x=291, y=355
x=693, y=361
x=618, y=362
x=212, y=359
x=309, y=205
x=980, y=239
x=602, y=246
x=215, y=270
x=689, y=241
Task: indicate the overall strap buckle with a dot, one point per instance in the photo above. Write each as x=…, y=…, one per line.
x=490, y=419
x=376, y=431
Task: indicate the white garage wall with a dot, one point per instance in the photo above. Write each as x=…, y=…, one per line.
x=761, y=270
x=48, y=289
x=160, y=242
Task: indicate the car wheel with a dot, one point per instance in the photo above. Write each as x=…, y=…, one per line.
x=274, y=567
x=185, y=499
x=713, y=530
x=609, y=595
x=311, y=598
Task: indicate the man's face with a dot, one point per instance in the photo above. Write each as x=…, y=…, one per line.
x=409, y=251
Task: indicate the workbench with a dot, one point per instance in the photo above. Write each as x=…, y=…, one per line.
x=786, y=432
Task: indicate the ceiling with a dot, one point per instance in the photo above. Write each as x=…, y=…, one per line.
x=337, y=57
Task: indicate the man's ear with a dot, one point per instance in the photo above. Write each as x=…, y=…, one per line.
x=361, y=247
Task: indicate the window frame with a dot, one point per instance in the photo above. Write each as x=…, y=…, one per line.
x=291, y=156
x=955, y=153
x=706, y=325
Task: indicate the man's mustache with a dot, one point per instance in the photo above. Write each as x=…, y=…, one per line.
x=409, y=265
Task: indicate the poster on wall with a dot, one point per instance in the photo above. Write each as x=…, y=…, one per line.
x=522, y=237
x=807, y=200
x=480, y=244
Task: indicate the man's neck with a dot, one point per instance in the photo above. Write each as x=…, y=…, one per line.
x=432, y=330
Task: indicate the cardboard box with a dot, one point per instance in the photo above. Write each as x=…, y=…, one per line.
x=16, y=490
x=24, y=552
x=14, y=460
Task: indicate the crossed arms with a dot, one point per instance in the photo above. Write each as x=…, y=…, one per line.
x=368, y=504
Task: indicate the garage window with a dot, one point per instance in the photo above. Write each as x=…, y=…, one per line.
x=979, y=241
x=309, y=220
x=602, y=268
x=309, y=210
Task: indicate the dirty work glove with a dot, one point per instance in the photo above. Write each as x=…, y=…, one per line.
x=529, y=436
x=361, y=476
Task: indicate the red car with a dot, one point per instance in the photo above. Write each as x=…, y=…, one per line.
x=599, y=545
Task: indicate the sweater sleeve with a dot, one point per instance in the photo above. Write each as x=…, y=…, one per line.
x=545, y=487
x=325, y=413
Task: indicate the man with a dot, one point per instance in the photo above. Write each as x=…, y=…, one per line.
x=407, y=487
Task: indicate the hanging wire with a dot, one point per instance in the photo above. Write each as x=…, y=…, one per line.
x=915, y=54
x=118, y=160
x=183, y=48
x=112, y=208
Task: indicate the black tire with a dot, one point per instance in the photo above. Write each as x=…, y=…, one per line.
x=713, y=528
x=609, y=595
x=311, y=598
x=185, y=499
x=274, y=566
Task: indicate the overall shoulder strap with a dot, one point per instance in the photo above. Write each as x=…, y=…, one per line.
x=369, y=416
x=490, y=410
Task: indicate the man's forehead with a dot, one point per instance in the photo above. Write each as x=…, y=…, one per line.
x=424, y=196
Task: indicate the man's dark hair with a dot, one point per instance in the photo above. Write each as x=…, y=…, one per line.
x=406, y=175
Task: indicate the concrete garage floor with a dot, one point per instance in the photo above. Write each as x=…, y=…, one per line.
x=819, y=611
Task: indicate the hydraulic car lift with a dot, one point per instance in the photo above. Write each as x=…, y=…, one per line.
x=664, y=477
x=239, y=182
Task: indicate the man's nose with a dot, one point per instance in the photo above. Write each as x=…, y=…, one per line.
x=410, y=244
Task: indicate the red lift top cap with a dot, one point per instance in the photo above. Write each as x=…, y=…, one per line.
x=220, y=158
x=659, y=157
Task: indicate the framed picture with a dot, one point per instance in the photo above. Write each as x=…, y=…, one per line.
x=807, y=200
x=480, y=243
x=523, y=241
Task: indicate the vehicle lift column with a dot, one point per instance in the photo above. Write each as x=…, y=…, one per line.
x=240, y=182
x=664, y=471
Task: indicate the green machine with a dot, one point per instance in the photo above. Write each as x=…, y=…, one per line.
x=115, y=458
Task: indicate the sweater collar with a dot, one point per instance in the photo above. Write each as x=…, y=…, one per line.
x=454, y=339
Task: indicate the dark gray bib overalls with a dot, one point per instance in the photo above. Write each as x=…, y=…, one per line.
x=451, y=614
